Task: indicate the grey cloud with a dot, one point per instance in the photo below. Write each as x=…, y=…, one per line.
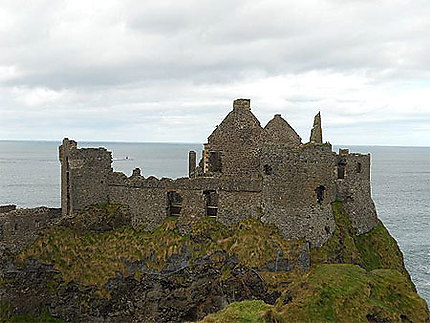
x=126, y=65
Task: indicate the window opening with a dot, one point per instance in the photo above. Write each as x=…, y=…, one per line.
x=320, y=193
x=341, y=169
x=211, y=202
x=215, y=162
x=174, y=204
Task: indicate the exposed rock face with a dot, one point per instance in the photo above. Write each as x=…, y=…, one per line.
x=186, y=294
x=316, y=132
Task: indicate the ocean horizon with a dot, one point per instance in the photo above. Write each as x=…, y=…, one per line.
x=30, y=177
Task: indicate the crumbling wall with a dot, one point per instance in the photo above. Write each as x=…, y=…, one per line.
x=84, y=176
x=298, y=188
x=148, y=198
x=353, y=188
x=19, y=228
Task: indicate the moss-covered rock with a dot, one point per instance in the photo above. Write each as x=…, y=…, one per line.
x=336, y=293
x=240, y=312
x=373, y=250
x=347, y=293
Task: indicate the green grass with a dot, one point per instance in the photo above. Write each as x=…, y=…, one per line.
x=92, y=258
x=347, y=293
x=335, y=293
x=42, y=318
x=240, y=312
x=373, y=250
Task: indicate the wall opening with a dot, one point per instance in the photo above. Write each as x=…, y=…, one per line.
x=268, y=170
x=174, y=204
x=320, y=193
x=358, y=167
x=341, y=169
x=215, y=162
x=211, y=202
x=67, y=187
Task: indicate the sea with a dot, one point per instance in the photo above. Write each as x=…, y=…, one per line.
x=30, y=176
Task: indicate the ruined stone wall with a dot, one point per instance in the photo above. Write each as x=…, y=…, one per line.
x=278, y=131
x=355, y=191
x=238, y=139
x=148, y=202
x=298, y=188
x=20, y=227
x=236, y=206
x=84, y=176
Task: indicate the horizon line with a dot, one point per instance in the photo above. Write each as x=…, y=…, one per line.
x=190, y=143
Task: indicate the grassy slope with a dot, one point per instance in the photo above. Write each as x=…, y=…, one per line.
x=240, y=312
x=92, y=258
x=336, y=293
x=347, y=293
x=328, y=292
x=359, y=278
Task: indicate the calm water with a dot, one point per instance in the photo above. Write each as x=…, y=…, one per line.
x=29, y=176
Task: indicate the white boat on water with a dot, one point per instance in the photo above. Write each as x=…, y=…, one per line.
x=126, y=158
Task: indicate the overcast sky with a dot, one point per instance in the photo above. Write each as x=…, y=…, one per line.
x=168, y=71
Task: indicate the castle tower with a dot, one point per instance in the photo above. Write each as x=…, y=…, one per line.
x=84, y=176
x=279, y=131
x=316, y=132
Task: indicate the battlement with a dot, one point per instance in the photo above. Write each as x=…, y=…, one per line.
x=245, y=171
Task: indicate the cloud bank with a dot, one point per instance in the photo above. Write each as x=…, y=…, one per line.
x=168, y=71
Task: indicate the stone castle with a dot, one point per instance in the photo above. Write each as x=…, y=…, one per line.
x=245, y=171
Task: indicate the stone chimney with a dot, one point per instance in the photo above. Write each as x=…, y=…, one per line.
x=136, y=172
x=192, y=160
x=242, y=105
x=316, y=132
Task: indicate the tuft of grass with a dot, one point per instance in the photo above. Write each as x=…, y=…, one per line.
x=6, y=310
x=42, y=318
x=255, y=243
x=239, y=312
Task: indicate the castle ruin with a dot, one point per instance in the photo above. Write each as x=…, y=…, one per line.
x=245, y=171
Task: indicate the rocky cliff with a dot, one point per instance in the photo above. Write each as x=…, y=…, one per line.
x=94, y=267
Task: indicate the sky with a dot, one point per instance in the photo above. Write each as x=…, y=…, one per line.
x=168, y=71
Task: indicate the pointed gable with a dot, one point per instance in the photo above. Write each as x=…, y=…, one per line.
x=278, y=130
x=239, y=127
x=232, y=148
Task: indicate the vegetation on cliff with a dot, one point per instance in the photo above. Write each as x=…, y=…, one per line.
x=335, y=293
x=351, y=278
x=93, y=258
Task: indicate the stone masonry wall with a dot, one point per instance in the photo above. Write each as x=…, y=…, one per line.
x=147, y=198
x=238, y=139
x=20, y=227
x=278, y=131
x=84, y=176
x=292, y=183
x=354, y=190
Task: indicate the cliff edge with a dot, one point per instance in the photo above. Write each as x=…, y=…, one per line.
x=96, y=267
